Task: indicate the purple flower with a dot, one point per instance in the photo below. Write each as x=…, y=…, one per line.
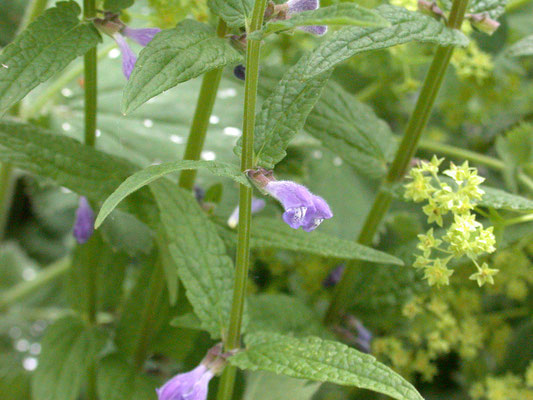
x=142, y=36
x=334, y=276
x=297, y=6
x=257, y=205
x=240, y=72
x=84, y=224
x=192, y=385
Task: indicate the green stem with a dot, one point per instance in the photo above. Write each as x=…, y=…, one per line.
x=200, y=122
x=232, y=341
x=518, y=220
x=24, y=289
x=343, y=294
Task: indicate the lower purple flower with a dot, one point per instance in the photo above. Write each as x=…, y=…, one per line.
x=84, y=224
x=192, y=385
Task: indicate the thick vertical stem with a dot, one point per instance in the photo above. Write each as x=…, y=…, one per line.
x=200, y=122
x=432, y=83
x=232, y=340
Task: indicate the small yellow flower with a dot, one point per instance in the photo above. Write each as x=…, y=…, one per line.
x=484, y=275
x=437, y=273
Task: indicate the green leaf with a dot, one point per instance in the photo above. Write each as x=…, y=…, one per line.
x=321, y=360
x=46, y=47
x=119, y=381
x=494, y=8
x=339, y=14
x=175, y=56
x=204, y=268
x=273, y=233
x=523, y=47
x=68, y=348
x=283, y=114
x=234, y=12
x=117, y=5
x=169, y=266
x=352, y=130
x=154, y=172
x=501, y=200
x=406, y=27
x=126, y=233
x=69, y=163
x=268, y=386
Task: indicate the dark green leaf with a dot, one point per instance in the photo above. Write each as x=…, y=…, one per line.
x=234, y=12
x=501, y=200
x=117, y=5
x=268, y=386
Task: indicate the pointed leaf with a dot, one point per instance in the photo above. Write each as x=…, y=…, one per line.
x=523, y=47
x=154, y=172
x=46, y=47
x=234, y=12
x=321, y=360
x=501, y=200
x=175, y=56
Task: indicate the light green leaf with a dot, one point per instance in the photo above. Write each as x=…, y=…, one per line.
x=268, y=386
x=494, y=8
x=69, y=163
x=154, y=172
x=272, y=233
x=338, y=14
x=68, y=348
x=523, y=47
x=352, y=130
x=406, y=27
x=321, y=360
x=283, y=114
x=234, y=12
x=204, y=268
x=46, y=47
x=119, y=381
x=175, y=56
x=117, y=5
x=501, y=200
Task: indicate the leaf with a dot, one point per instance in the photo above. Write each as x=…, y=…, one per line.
x=501, y=200
x=267, y=386
x=117, y=5
x=204, y=268
x=523, y=47
x=234, y=12
x=273, y=233
x=154, y=172
x=68, y=348
x=283, y=114
x=175, y=56
x=406, y=27
x=339, y=14
x=46, y=47
x=117, y=380
x=352, y=130
x=126, y=233
x=68, y=163
x=494, y=8
x=321, y=360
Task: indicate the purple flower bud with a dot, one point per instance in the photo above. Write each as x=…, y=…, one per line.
x=334, y=276
x=257, y=205
x=84, y=224
x=297, y=6
x=143, y=36
x=240, y=72
x=129, y=58
x=192, y=385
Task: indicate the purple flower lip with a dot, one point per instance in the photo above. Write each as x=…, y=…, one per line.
x=84, y=224
x=192, y=385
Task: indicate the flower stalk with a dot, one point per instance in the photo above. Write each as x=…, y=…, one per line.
x=232, y=340
x=344, y=291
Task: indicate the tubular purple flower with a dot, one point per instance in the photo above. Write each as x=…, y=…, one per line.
x=143, y=36
x=84, y=224
x=257, y=205
x=297, y=6
x=129, y=58
x=192, y=385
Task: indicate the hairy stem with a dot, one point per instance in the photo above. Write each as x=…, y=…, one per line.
x=200, y=122
x=343, y=294
x=232, y=340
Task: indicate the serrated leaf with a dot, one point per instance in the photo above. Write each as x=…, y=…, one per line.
x=283, y=114
x=234, y=12
x=117, y=5
x=204, y=268
x=175, y=56
x=154, y=172
x=352, y=130
x=46, y=47
x=501, y=200
x=406, y=26
x=117, y=380
x=272, y=233
x=338, y=14
x=68, y=348
x=523, y=47
x=321, y=360
x=69, y=163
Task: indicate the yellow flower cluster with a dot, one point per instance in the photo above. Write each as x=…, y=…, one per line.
x=506, y=387
x=472, y=63
x=465, y=236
